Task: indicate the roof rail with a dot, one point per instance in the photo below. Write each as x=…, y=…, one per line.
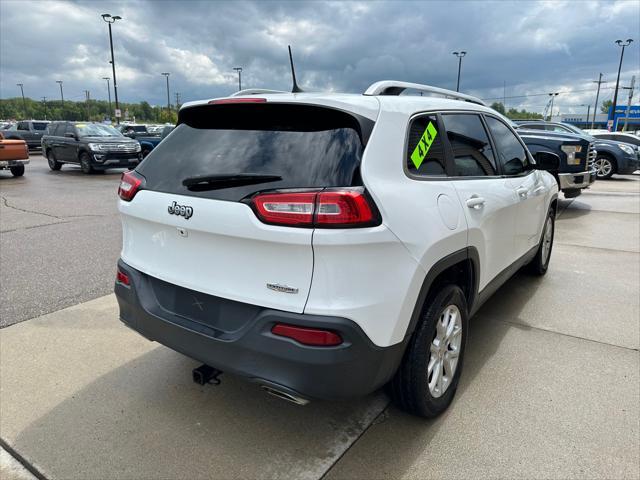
x=394, y=87
x=255, y=91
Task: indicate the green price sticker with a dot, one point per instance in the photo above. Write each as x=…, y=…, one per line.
x=421, y=150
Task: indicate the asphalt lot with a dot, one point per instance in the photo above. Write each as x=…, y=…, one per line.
x=61, y=238
x=551, y=385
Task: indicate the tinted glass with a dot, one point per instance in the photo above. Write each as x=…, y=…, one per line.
x=23, y=126
x=97, y=130
x=69, y=129
x=306, y=146
x=511, y=154
x=472, y=153
x=56, y=129
x=40, y=126
x=532, y=126
x=559, y=128
x=425, y=153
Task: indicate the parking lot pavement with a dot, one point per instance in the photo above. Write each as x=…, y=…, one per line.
x=550, y=389
x=60, y=239
x=83, y=397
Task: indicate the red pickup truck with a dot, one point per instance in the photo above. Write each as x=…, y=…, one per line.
x=14, y=155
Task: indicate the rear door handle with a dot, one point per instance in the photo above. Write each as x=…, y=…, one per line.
x=522, y=192
x=475, y=202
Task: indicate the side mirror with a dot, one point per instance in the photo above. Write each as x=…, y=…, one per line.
x=547, y=161
x=71, y=135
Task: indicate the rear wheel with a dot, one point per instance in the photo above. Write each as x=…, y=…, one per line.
x=540, y=263
x=427, y=378
x=85, y=163
x=51, y=160
x=17, y=171
x=145, y=151
x=605, y=167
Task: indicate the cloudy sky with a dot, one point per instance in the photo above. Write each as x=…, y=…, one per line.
x=535, y=47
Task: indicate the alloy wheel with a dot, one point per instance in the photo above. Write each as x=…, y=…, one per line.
x=546, y=240
x=603, y=167
x=445, y=351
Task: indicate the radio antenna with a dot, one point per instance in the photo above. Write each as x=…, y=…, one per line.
x=296, y=88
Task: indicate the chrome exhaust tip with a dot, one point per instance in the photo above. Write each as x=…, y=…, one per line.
x=284, y=395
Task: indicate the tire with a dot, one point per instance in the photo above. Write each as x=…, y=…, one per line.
x=410, y=388
x=17, y=171
x=145, y=152
x=85, y=163
x=605, y=167
x=51, y=160
x=540, y=263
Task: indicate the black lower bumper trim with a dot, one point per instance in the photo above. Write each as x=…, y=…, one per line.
x=354, y=368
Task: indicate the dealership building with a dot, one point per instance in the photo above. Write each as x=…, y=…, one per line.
x=581, y=121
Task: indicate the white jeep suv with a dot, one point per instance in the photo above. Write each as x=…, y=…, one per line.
x=325, y=245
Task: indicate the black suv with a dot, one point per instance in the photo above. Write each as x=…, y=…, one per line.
x=94, y=146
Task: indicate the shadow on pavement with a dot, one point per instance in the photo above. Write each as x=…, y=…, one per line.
x=146, y=419
x=410, y=437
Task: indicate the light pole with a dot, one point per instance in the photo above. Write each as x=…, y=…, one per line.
x=622, y=44
x=44, y=102
x=24, y=103
x=595, y=107
x=166, y=75
x=552, y=95
x=109, y=19
x=239, y=70
x=459, y=55
x=59, y=82
x=108, y=93
x=586, y=123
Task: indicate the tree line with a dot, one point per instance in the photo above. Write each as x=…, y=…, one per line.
x=89, y=110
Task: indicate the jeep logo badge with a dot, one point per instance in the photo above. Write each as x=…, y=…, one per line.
x=182, y=210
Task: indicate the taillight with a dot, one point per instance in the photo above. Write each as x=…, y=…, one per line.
x=343, y=208
x=340, y=208
x=223, y=101
x=295, y=209
x=130, y=183
x=122, y=278
x=307, y=336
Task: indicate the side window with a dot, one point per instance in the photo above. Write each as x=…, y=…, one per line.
x=558, y=128
x=70, y=129
x=58, y=130
x=425, y=153
x=511, y=154
x=23, y=126
x=533, y=126
x=472, y=152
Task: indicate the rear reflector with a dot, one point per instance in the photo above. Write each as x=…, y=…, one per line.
x=341, y=208
x=307, y=336
x=223, y=101
x=130, y=183
x=122, y=278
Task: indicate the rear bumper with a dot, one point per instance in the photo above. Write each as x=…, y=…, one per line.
x=242, y=342
x=13, y=163
x=570, y=181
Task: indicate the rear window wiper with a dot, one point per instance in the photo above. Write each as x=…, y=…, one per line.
x=213, y=182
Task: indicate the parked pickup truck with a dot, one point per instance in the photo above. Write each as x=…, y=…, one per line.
x=148, y=143
x=14, y=155
x=95, y=146
x=31, y=131
x=577, y=155
x=613, y=154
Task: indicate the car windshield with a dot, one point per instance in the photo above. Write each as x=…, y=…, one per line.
x=40, y=125
x=574, y=129
x=96, y=130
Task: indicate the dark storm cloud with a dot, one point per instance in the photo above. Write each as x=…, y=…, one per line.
x=532, y=46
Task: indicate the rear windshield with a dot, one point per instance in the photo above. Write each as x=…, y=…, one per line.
x=307, y=146
x=40, y=125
